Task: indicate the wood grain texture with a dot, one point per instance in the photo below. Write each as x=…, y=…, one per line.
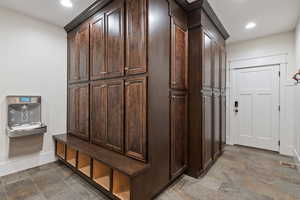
x=115, y=40
x=78, y=51
x=83, y=52
x=179, y=61
x=97, y=45
x=107, y=108
x=136, y=36
x=179, y=116
x=79, y=111
x=128, y=166
x=216, y=123
x=136, y=118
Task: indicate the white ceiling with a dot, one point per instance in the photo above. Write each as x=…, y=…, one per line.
x=271, y=16
x=48, y=10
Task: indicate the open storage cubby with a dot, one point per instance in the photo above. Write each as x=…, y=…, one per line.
x=60, y=149
x=71, y=156
x=101, y=174
x=84, y=164
x=121, y=185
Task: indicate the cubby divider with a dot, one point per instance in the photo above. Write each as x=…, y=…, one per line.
x=71, y=156
x=60, y=149
x=121, y=185
x=102, y=174
x=84, y=164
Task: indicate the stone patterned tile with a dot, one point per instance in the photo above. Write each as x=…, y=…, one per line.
x=12, y=178
x=240, y=174
x=2, y=193
x=22, y=190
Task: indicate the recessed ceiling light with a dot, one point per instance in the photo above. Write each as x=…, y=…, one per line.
x=250, y=25
x=66, y=3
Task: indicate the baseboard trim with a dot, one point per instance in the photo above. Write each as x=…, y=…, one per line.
x=20, y=164
x=286, y=150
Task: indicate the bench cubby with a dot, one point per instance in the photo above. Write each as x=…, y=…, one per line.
x=116, y=175
x=84, y=164
x=71, y=156
x=102, y=174
x=121, y=185
x=60, y=149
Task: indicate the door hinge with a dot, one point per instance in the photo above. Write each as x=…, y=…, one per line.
x=279, y=108
x=278, y=142
x=279, y=74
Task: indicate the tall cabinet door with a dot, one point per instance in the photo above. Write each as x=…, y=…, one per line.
x=179, y=58
x=216, y=123
x=73, y=57
x=136, y=42
x=114, y=23
x=207, y=61
x=207, y=100
x=178, y=133
x=97, y=47
x=216, y=100
x=83, y=40
x=79, y=110
x=223, y=120
x=207, y=139
x=135, y=118
x=223, y=97
x=107, y=105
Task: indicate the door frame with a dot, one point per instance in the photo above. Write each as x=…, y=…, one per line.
x=279, y=60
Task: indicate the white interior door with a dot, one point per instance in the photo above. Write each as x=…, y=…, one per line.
x=256, y=109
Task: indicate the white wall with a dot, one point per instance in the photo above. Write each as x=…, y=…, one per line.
x=33, y=60
x=297, y=93
x=278, y=44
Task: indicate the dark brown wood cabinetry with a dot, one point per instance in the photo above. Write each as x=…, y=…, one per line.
x=115, y=40
x=146, y=94
x=107, y=119
x=136, y=35
x=179, y=67
x=98, y=47
x=179, y=100
x=207, y=42
x=79, y=54
x=79, y=110
x=135, y=125
x=179, y=128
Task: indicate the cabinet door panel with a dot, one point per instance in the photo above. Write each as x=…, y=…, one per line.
x=207, y=127
x=216, y=66
x=136, y=43
x=79, y=111
x=178, y=133
x=73, y=57
x=216, y=123
x=99, y=113
x=135, y=125
x=223, y=68
x=83, y=49
x=207, y=61
x=107, y=100
x=115, y=108
x=223, y=121
x=179, y=58
x=98, y=62
x=115, y=42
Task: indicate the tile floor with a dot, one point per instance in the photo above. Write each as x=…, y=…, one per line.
x=240, y=174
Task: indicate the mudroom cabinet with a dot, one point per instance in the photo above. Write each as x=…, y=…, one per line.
x=146, y=95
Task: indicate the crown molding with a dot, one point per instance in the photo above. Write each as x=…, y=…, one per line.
x=188, y=7
x=87, y=13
